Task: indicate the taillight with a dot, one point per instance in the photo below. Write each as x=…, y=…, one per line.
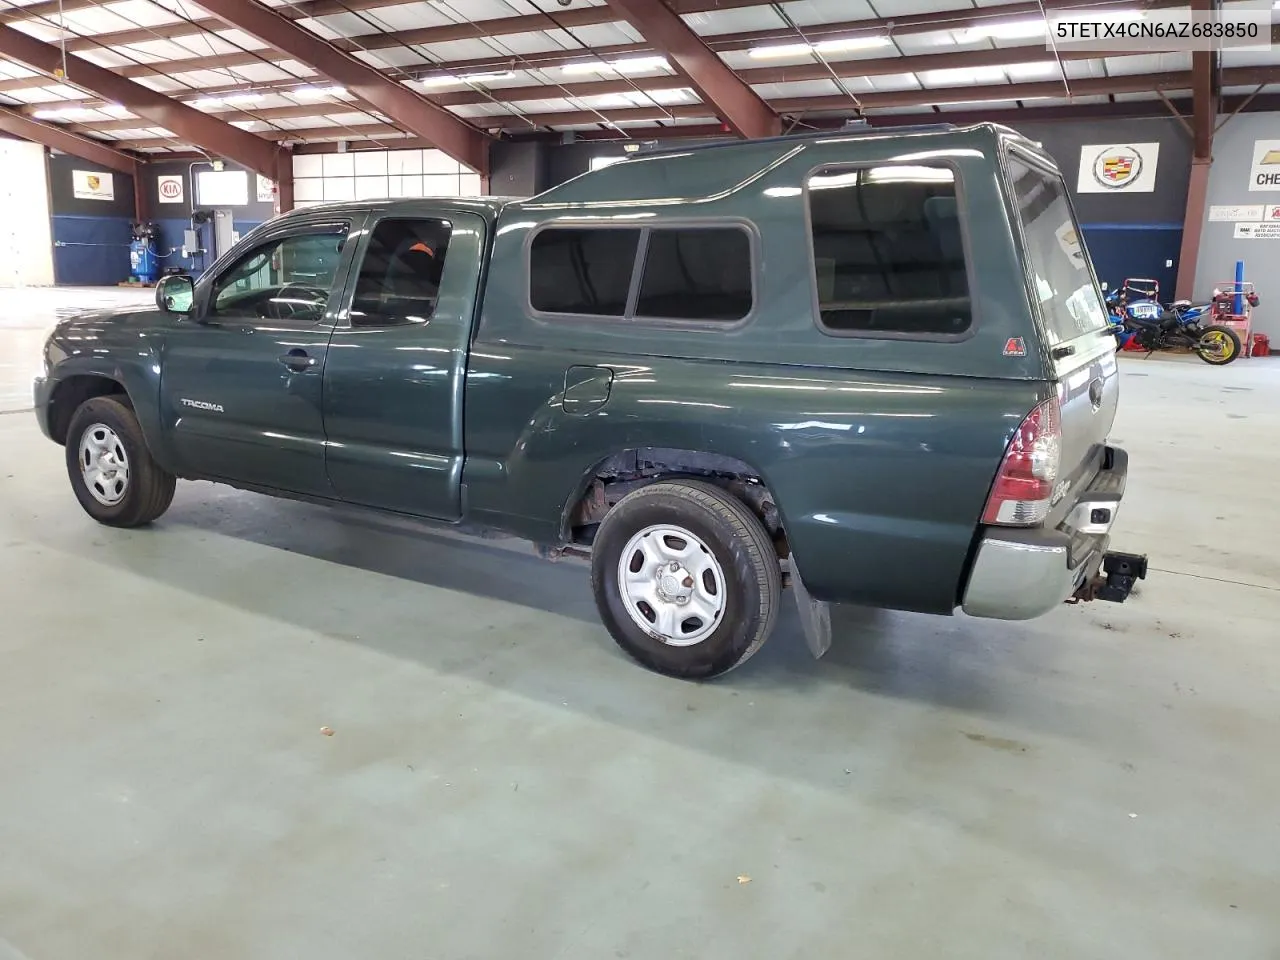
x=1024, y=486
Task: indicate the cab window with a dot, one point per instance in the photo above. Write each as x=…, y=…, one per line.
x=400, y=275
x=284, y=279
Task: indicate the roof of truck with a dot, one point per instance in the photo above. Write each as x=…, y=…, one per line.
x=485, y=206
x=707, y=170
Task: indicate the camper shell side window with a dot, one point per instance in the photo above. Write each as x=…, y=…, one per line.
x=890, y=251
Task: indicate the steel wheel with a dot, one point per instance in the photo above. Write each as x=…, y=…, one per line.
x=104, y=464
x=672, y=585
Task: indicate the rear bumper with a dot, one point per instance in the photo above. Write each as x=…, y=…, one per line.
x=1024, y=574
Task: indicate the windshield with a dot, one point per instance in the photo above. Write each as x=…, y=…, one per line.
x=1062, y=282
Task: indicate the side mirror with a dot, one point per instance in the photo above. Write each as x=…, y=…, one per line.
x=176, y=294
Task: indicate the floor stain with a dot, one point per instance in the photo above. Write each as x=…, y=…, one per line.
x=997, y=743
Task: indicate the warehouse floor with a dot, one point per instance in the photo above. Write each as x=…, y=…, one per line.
x=500, y=781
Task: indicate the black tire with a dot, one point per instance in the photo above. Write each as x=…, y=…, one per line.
x=1215, y=359
x=149, y=488
x=738, y=542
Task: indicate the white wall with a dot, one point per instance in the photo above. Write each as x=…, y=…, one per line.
x=26, y=235
x=1229, y=185
x=379, y=174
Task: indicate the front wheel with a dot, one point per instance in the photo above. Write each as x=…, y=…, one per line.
x=1218, y=345
x=111, y=470
x=686, y=578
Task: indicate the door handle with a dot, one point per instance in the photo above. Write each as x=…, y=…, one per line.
x=297, y=360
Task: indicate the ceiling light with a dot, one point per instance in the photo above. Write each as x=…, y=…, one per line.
x=482, y=77
x=445, y=80
x=318, y=92
x=640, y=64
x=235, y=98
x=851, y=43
x=836, y=45
x=1017, y=30
x=965, y=75
x=207, y=103
x=62, y=113
x=780, y=50
x=625, y=65
x=1041, y=68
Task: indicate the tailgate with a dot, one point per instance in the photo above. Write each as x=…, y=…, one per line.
x=1088, y=384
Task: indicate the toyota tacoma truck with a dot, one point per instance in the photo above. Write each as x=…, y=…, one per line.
x=871, y=366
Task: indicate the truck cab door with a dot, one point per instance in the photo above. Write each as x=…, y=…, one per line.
x=394, y=380
x=241, y=377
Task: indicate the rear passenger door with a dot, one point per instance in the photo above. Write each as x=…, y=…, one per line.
x=395, y=374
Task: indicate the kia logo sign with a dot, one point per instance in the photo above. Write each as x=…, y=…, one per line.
x=170, y=188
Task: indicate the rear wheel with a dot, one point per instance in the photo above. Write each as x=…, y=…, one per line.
x=1218, y=345
x=686, y=578
x=111, y=470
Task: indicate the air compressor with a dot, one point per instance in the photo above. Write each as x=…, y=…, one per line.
x=143, y=260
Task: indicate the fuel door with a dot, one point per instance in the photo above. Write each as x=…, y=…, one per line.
x=586, y=389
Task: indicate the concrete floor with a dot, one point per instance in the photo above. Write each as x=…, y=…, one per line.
x=501, y=782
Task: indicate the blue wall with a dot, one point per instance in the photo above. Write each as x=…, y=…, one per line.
x=91, y=251
x=1127, y=250
x=90, y=237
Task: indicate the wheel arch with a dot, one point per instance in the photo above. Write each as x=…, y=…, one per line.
x=73, y=391
x=612, y=477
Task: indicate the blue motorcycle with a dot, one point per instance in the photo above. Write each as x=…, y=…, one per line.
x=1137, y=317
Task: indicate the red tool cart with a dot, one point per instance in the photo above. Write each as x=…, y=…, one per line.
x=1224, y=310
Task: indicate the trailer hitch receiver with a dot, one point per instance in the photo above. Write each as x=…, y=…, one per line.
x=1116, y=578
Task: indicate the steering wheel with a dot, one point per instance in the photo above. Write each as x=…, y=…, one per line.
x=285, y=305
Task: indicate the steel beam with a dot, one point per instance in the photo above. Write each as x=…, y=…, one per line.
x=458, y=139
x=208, y=133
x=588, y=16
x=808, y=107
x=16, y=125
x=733, y=99
x=846, y=69
x=1204, y=118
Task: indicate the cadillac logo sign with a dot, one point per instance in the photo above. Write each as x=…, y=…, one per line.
x=1117, y=167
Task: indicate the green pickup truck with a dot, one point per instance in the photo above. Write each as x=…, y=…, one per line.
x=872, y=366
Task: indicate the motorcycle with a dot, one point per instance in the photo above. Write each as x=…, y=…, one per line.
x=1137, y=317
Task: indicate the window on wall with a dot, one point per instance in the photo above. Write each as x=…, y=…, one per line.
x=401, y=272
x=888, y=253
x=582, y=271
x=696, y=274
x=380, y=174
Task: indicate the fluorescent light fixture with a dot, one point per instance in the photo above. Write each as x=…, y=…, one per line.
x=1041, y=68
x=234, y=98
x=467, y=78
x=625, y=65
x=1017, y=30
x=586, y=66
x=62, y=113
x=839, y=45
x=851, y=43
x=640, y=64
x=312, y=93
x=780, y=50
x=964, y=75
